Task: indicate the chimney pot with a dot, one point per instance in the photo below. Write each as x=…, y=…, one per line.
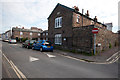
x=76, y=8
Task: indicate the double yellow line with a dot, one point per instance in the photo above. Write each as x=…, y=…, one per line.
x=20, y=75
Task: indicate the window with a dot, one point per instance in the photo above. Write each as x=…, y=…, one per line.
x=21, y=33
x=38, y=34
x=46, y=34
x=58, y=39
x=43, y=34
x=46, y=38
x=78, y=19
x=30, y=33
x=58, y=22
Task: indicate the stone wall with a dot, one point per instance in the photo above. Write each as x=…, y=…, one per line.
x=83, y=38
x=106, y=39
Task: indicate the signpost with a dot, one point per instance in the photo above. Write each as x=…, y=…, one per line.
x=95, y=31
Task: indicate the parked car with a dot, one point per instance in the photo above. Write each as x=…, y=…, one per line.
x=12, y=41
x=28, y=43
x=6, y=40
x=43, y=45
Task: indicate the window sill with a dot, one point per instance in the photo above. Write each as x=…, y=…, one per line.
x=57, y=27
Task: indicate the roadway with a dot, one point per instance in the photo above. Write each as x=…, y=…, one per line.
x=28, y=63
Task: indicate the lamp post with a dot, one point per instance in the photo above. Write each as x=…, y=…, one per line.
x=20, y=33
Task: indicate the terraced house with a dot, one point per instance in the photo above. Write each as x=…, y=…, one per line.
x=19, y=33
x=70, y=29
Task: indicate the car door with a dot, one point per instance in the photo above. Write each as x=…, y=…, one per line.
x=37, y=45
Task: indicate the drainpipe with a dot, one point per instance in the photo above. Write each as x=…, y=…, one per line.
x=82, y=16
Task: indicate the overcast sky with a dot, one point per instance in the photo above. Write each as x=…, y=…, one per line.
x=29, y=13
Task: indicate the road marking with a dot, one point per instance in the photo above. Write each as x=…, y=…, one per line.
x=20, y=75
x=23, y=76
x=72, y=58
x=0, y=51
x=31, y=59
x=112, y=56
x=50, y=56
x=6, y=70
x=15, y=71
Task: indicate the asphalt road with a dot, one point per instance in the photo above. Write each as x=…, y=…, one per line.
x=36, y=64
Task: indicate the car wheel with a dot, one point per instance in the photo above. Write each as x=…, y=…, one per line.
x=51, y=50
x=22, y=46
x=27, y=47
x=41, y=49
x=32, y=48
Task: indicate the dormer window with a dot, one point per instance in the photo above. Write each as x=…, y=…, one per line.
x=58, y=22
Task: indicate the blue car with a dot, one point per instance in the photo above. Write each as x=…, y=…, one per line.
x=43, y=45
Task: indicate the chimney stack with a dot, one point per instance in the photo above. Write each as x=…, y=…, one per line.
x=76, y=8
x=95, y=19
x=88, y=13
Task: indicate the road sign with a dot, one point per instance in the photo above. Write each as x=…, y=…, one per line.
x=95, y=30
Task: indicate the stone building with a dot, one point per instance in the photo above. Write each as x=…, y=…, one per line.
x=32, y=33
x=70, y=29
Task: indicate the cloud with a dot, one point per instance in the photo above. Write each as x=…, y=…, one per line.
x=35, y=12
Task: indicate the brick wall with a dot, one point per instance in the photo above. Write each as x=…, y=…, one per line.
x=86, y=21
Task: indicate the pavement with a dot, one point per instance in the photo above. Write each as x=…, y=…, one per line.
x=0, y=59
x=106, y=56
x=35, y=64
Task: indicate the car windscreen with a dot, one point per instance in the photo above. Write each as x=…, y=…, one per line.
x=32, y=41
x=47, y=43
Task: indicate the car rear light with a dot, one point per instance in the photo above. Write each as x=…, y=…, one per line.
x=52, y=45
x=43, y=44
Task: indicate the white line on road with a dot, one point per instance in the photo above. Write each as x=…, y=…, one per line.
x=0, y=51
x=112, y=56
x=86, y=61
x=49, y=55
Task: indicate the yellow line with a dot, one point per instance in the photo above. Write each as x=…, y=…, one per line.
x=23, y=76
x=17, y=71
x=12, y=67
x=6, y=70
